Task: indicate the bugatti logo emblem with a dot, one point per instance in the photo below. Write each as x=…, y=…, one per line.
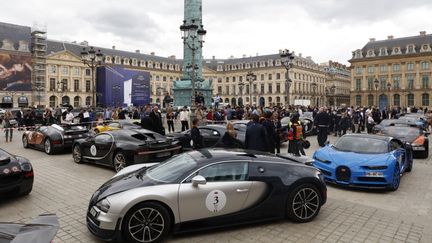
x=343, y=170
x=93, y=150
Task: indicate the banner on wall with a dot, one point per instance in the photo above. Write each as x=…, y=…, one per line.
x=117, y=86
x=15, y=72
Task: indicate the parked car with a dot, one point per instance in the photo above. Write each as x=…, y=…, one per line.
x=116, y=125
x=121, y=148
x=363, y=160
x=307, y=122
x=16, y=175
x=42, y=229
x=417, y=137
x=54, y=138
x=394, y=122
x=204, y=189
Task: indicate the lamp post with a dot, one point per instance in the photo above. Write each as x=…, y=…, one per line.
x=160, y=91
x=116, y=88
x=250, y=77
x=287, y=58
x=92, y=59
x=191, y=34
x=241, y=86
x=61, y=89
x=39, y=88
x=314, y=86
x=333, y=90
x=376, y=83
x=388, y=94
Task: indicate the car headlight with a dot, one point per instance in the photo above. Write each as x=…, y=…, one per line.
x=322, y=160
x=104, y=205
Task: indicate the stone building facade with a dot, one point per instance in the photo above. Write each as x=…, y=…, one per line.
x=338, y=83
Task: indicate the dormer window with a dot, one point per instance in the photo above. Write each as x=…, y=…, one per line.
x=126, y=61
x=278, y=62
x=358, y=54
x=134, y=62
x=233, y=67
x=383, y=51
x=247, y=65
x=370, y=53
x=150, y=64
x=262, y=64
x=142, y=63
x=425, y=48
x=410, y=49
x=219, y=68
x=117, y=60
x=157, y=65
x=396, y=51
x=270, y=63
x=107, y=59
x=164, y=66
x=177, y=67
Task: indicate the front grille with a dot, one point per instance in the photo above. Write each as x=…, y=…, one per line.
x=343, y=173
x=372, y=179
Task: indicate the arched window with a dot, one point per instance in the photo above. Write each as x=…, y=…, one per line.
x=425, y=99
x=396, y=99
x=65, y=100
x=226, y=101
x=77, y=101
x=370, y=100
x=358, y=100
x=52, y=101
x=88, y=101
x=410, y=98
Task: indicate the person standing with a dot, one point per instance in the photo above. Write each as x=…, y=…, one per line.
x=7, y=125
x=19, y=117
x=146, y=121
x=184, y=119
x=255, y=134
x=229, y=139
x=197, y=138
x=58, y=114
x=271, y=132
x=344, y=124
x=170, y=120
x=322, y=122
x=295, y=135
x=370, y=123
x=156, y=119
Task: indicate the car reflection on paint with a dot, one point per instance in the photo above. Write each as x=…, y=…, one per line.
x=204, y=189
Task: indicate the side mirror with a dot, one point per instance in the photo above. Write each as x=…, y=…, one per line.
x=199, y=180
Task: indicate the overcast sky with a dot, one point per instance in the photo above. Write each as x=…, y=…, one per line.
x=323, y=29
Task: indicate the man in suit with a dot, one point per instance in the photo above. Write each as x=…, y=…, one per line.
x=256, y=135
x=156, y=119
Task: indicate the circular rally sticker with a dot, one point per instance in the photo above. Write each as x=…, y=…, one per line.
x=93, y=150
x=216, y=201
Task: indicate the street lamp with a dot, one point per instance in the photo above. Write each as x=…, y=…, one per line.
x=61, y=88
x=250, y=77
x=191, y=34
x=39, y=88
x=160, y=91
x=333, y=90
x=92, y=59
x=388, y=93
x=376, y=83
x=287, y=58
x=241, y=86
x=314, y=86
x=116, y=89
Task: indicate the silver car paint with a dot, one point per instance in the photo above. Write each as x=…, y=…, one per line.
x=132, y=168
x=257, y=191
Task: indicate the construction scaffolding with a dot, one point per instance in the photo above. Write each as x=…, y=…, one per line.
x=39, y=50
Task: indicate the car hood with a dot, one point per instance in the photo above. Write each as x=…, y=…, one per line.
x=350, y=158
x=131, y=178
x=407, y=138
x=41, y=230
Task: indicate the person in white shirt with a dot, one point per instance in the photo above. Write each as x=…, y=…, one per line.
x=184, y=118
x=69, y=117
x=370, y=123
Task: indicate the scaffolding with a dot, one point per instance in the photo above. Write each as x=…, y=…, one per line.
x=39, y=50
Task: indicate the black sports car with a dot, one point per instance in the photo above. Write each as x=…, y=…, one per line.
x=54, y=138
x=212, y=135
x=395, y=122
x=204, y=189
x=121, y=148
x=307, y=121
x=415, y=136
x=41, y=230
x=16, y=174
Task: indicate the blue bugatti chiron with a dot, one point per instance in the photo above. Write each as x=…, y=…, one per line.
x=363, y=160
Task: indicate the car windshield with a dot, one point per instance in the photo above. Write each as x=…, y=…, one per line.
x=401, y=131
x=172, y=169
x=361, y=145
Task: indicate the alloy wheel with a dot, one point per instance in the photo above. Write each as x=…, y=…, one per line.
x=77, y=154
x=47, y=146
x=306, y=203
x=146, y=225
x=119, y=162
x=25, y=141
x=396, y=177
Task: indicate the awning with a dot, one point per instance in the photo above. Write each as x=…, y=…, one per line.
x=23, y=100
x=7, y=100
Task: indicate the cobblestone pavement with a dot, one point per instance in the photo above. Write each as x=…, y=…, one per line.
x=64, y=188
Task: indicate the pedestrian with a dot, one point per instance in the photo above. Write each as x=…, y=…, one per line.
x=156, y=119
x=229, y=139
x=170, y=119
x=370, y=123
x=344, y=124
x=271, y=131
x=322, y=122
x=255, y=134
x=184, y=119
x=58, y=114
x=8, y=128
x=146, y=121
x=295, y=135
x=20, y=118
x=279, y=130
x=69, y=117
x=197, y=138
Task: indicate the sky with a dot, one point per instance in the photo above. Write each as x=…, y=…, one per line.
x=323, y=29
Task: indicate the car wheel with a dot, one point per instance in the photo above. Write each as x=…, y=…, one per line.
x=119, y=161
x=48, y=146
x=425, y=154
x=304, y=203
x=395, y=179
x=146, y=222
x=25, y=141
x=409, y=167
x=77, y=154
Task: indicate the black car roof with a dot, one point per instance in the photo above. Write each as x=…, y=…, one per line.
x=380, y=137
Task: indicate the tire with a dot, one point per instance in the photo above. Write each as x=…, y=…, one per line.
x=394, y=185
x=48, y=146
x=77, y=154
x=425, y=154
x=119, y=161
x=304, y=203
x=25, y=141
x=144, y=220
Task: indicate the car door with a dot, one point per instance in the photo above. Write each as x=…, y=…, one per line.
x=103, y=144
x=38, y=136
x=399, y=152
x=225, y=192
x=210, y=136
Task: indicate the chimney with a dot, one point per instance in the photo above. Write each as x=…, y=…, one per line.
x=423, y=33
x=172, y=57
x=257, y=54
x=84, y=43
x=244, y=55
x=390, y=37
x=113, y=47
x=300, y=55
x=152, y=53
x=214, y=57
x=371, y=39
x=137, y=51
x=309, y=57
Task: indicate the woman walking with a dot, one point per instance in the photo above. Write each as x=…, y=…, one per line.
x=170, y=119
x=7, y=125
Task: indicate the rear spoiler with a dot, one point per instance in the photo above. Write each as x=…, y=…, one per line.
x=41, y=230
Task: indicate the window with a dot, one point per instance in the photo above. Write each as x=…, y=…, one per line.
x=410, y=49
x=410, y=82
x=383, y=83
x=269, y=77
x=241, y=79
x=278, y=88
x=425, y=65
x=262, y=88
x=234, y=79
x=53, y=69
x=396, y=100
x=64, y=84
x=65, y=70
x=370, y=83
x=219, y=89
x=425, y=82
x=88, y=101
x=88, y=72
x=77, y=102
x=370, y=100
x=227, y=79
x=278, y=76
x=358, y=70
x=88, y=84
x=103, y=139
x=237, y=171
x=157, y=78
x=410, y=98
x=262, y=77
x=76, y=71
x=219, y=80
x=52, y=101
x=52, y=84
x=270, y=88
x=76, y=85
x=164, y=79
x=65, y=100
x=371, y=69
x=358, y=100
x=425, y=99
x=358, y=84
x=410, y=66
x=227, y=89
x=383, y=68
x=396, y=82
x=396, y=67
